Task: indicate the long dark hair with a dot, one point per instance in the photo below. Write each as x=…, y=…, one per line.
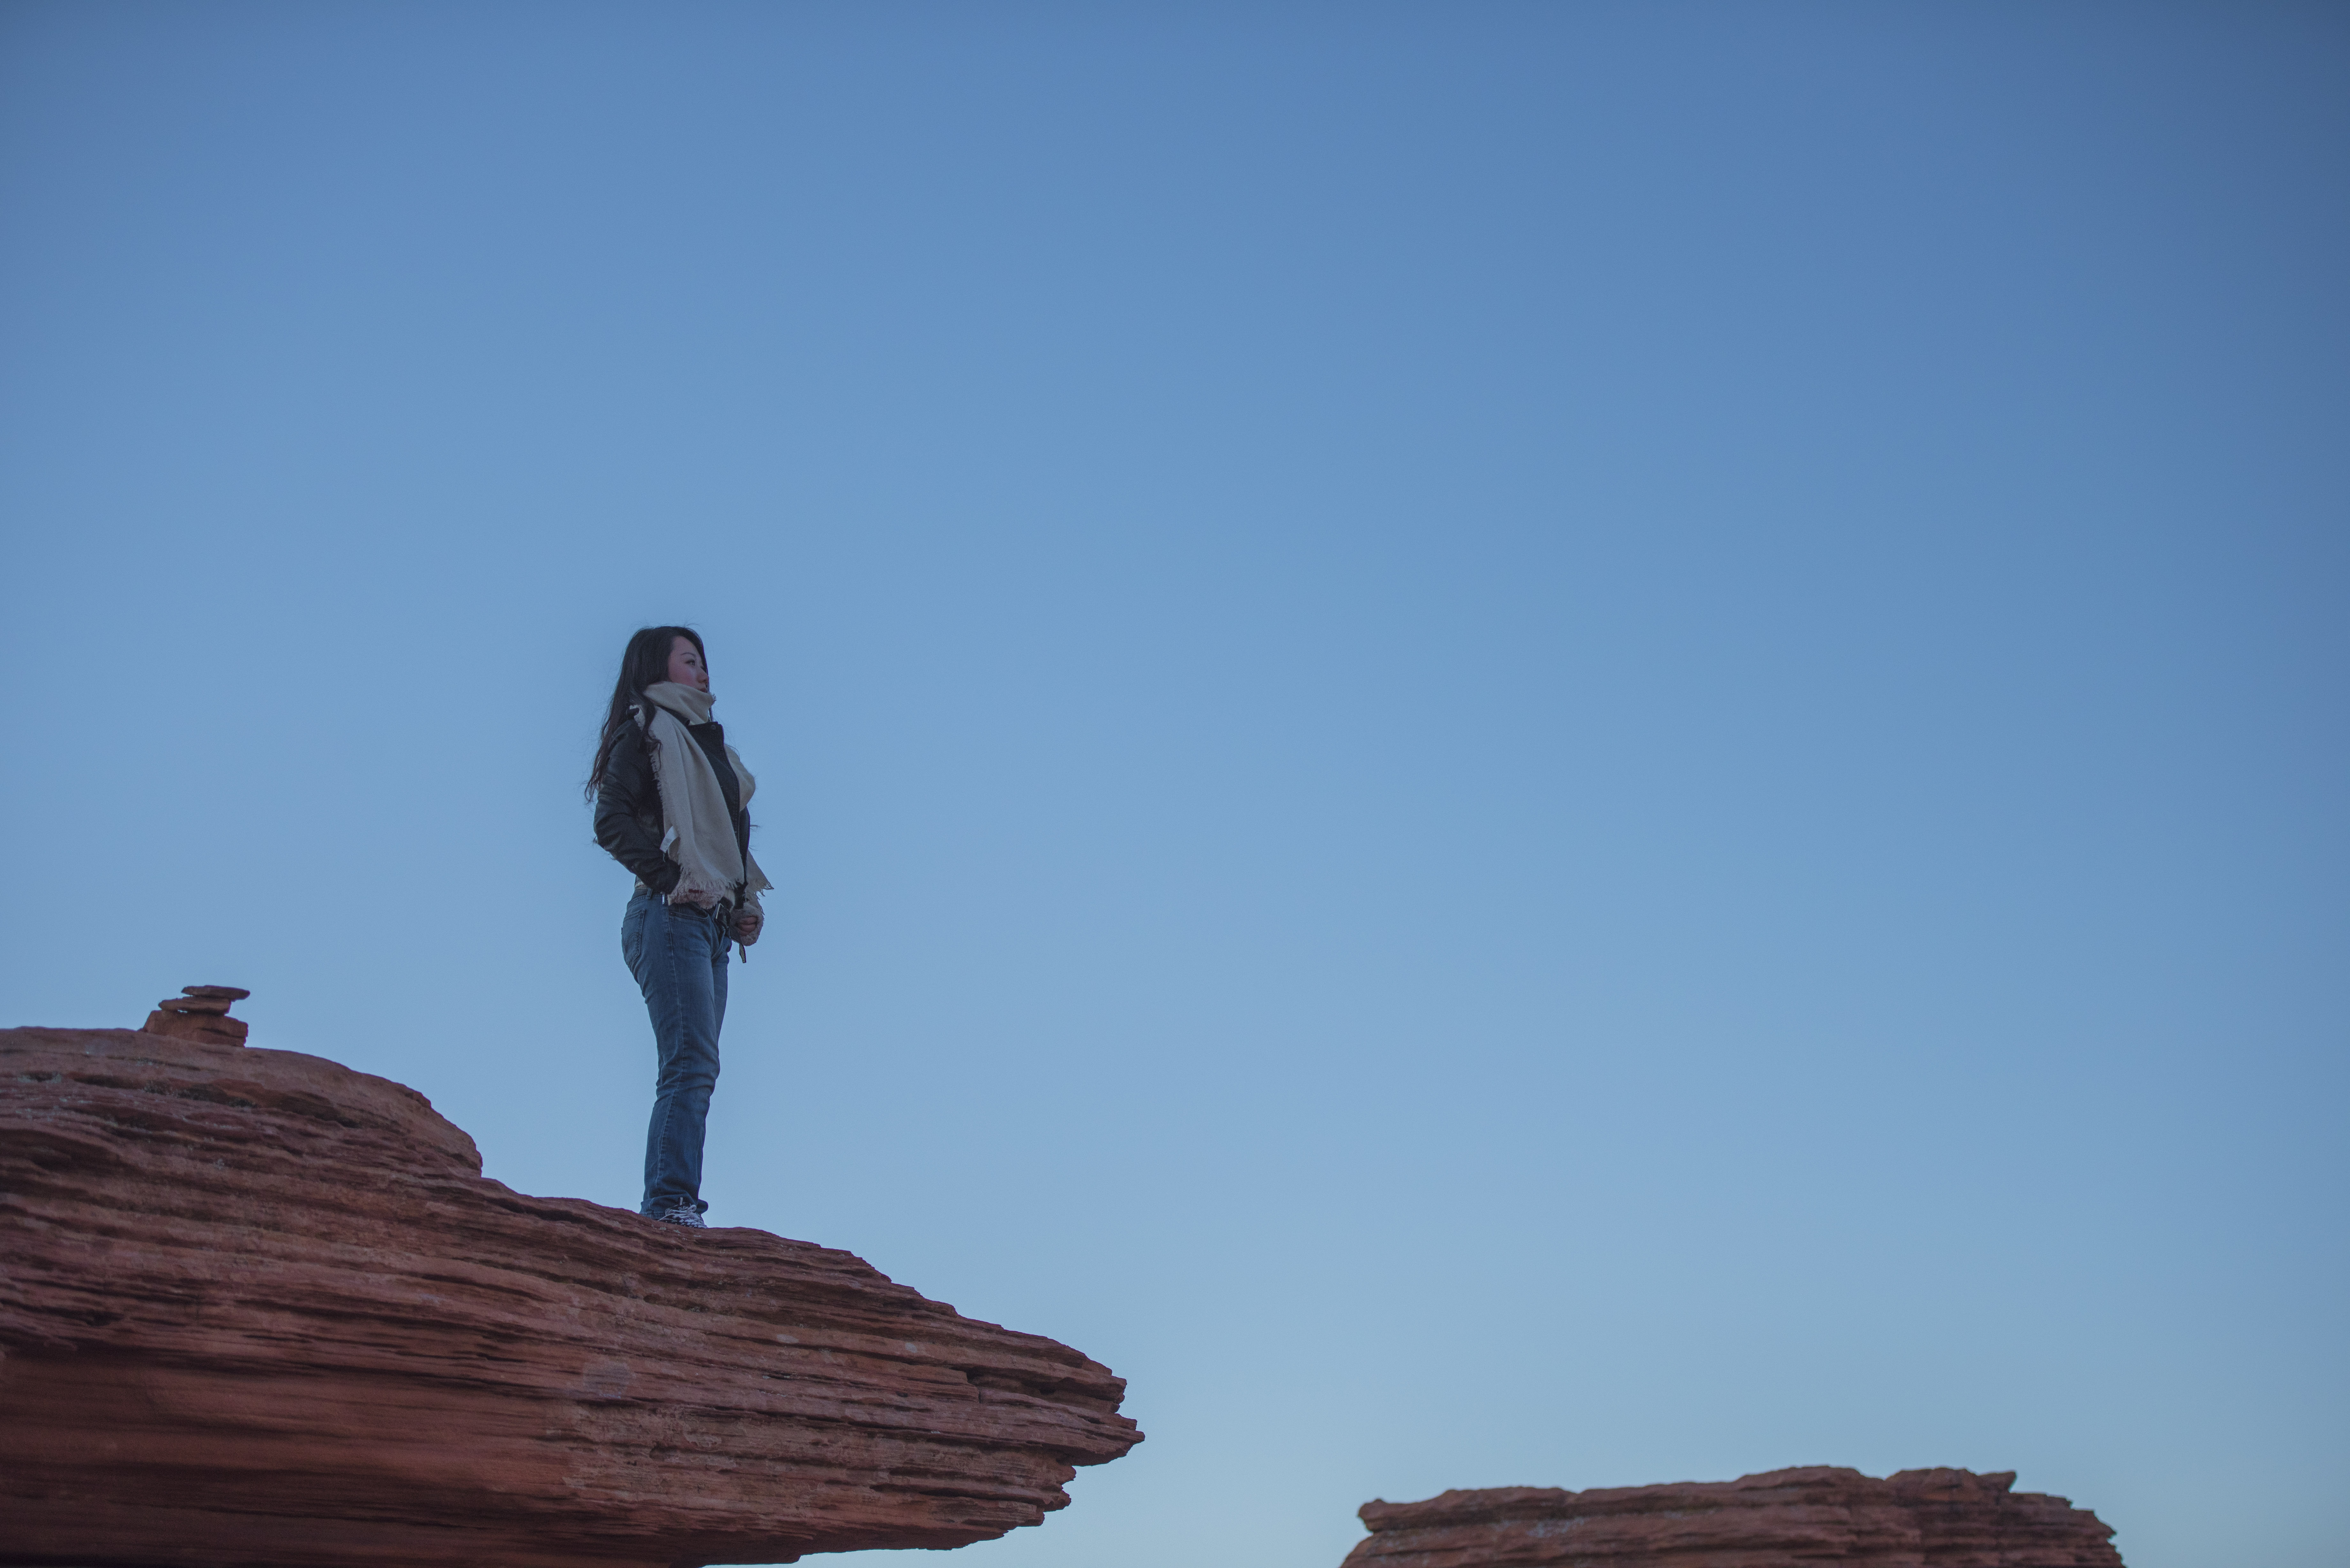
x=646, y=663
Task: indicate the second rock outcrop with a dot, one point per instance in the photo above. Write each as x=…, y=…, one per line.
x=1782, y=1519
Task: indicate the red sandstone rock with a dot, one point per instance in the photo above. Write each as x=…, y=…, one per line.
x=216, y=1005
x=200, y=1013
x=1784, y=1518
x=210, y=1029
x=258, y=1309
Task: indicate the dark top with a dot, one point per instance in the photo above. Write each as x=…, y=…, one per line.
x=628, y=818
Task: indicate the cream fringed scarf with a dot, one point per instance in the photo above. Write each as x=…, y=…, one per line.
x=700, y=837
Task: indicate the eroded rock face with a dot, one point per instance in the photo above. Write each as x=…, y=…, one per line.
x=1782, y=1519
x=258, y=1309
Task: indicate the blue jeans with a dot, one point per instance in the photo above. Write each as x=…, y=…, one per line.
x=679, y=956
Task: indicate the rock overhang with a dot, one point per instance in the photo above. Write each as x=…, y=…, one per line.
x=266, y=1309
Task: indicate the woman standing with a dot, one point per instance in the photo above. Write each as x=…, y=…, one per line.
x=672, y=805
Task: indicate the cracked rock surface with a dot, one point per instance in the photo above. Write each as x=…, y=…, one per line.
x=258, y=1309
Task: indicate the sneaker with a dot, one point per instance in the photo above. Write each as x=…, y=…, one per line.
x=683, y=1214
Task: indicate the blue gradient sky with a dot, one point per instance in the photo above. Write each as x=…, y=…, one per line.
x=1512, y=744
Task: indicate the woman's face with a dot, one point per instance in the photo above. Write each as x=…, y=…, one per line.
x=685, y=664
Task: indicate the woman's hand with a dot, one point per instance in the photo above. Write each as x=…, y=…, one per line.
x=747, y=922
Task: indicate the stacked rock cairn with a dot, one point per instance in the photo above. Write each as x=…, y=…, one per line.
x=201, y=1013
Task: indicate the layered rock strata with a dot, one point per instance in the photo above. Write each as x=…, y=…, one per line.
x=200, y=1013
x=1782, y=1519
x=258, y=1309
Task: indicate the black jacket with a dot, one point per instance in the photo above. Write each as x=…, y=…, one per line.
x=628, y=820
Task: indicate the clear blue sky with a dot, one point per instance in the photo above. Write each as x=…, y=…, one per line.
x=1543, y=745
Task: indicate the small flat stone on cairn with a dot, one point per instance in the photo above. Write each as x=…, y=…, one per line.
x=200, y=1013
x=216, y=1005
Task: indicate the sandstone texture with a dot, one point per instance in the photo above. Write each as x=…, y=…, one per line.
x=1782, y=1519
x=258, y=1309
